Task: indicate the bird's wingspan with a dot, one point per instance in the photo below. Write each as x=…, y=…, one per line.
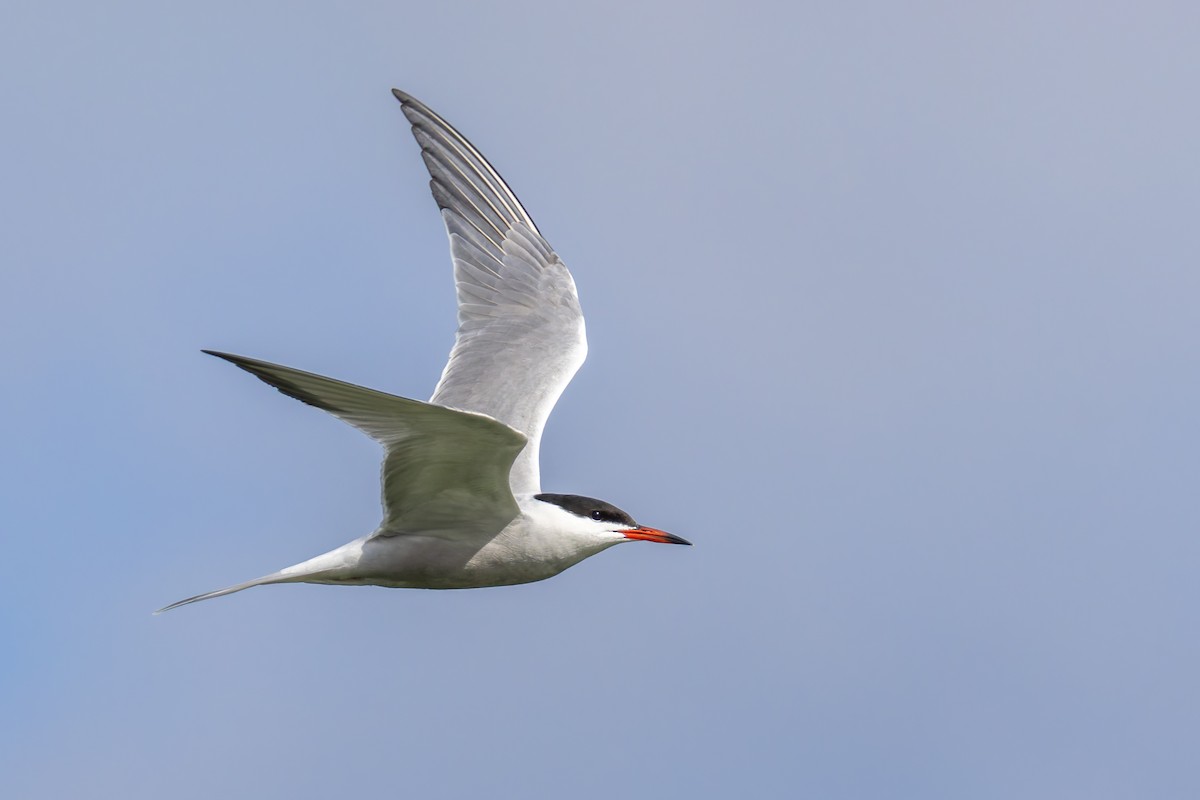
x=445, y=472
x=520, y=333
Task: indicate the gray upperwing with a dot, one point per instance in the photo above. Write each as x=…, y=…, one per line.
x=520, y=333
x=444, y=471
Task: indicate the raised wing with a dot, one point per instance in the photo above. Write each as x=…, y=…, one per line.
x=445, y=472
x=520, y=333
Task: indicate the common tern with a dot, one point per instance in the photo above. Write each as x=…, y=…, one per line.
x=462, y=501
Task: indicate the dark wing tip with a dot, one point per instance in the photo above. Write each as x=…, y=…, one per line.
x=406, y=99
x=262, y=371
x=245, y=363
x=419, y=114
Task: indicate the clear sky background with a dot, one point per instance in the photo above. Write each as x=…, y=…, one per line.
x=893, y=311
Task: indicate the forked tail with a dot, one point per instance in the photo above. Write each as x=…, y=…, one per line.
x=336, y=566
x=275, y=577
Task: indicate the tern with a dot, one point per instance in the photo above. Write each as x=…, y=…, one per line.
x=461, y=488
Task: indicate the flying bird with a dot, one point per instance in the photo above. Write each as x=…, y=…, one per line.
x=462, y=500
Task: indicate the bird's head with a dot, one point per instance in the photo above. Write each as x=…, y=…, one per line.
x=591, y=516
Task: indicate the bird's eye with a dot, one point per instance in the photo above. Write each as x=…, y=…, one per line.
x=597, y=515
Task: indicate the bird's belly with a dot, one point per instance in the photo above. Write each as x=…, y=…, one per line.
x=428, y=562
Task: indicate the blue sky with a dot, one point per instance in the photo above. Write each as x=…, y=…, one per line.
x=892, y=311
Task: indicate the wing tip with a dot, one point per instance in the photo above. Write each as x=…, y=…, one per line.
x=407, y=100
x=242, y=362
x=270, y=375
